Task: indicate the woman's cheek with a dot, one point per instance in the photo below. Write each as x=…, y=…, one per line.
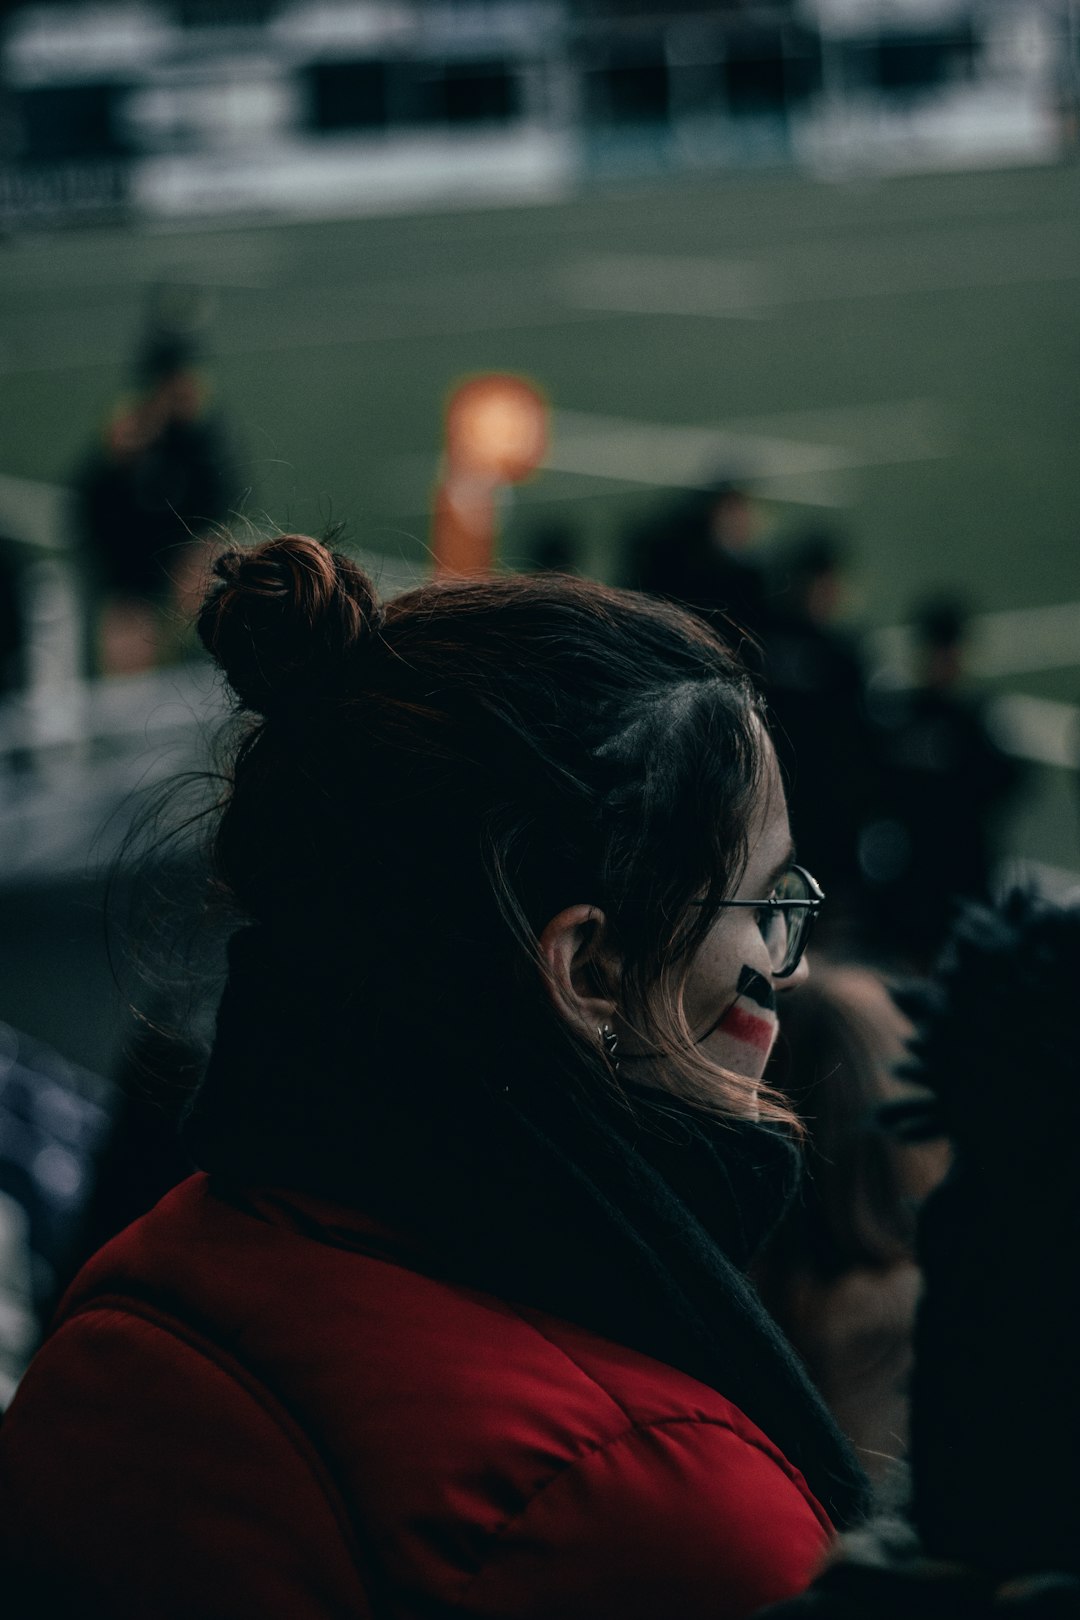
x=748, y=1024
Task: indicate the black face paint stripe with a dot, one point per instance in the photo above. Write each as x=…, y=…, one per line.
x=755, y=987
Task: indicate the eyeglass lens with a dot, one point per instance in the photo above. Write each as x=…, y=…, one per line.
x=785, y=931
x=778, y=931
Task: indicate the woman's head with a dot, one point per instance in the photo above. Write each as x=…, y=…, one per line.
x=494, y=797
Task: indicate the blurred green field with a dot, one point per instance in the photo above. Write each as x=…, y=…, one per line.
x=897, y=357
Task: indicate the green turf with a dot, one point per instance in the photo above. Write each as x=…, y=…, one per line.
x=334, y=343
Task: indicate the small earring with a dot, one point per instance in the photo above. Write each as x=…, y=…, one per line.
x=610, y=1042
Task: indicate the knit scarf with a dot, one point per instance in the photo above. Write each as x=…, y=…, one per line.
x=631, y=1216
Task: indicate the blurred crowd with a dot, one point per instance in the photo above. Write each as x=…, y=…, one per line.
x=900, y=790
x=898, y=785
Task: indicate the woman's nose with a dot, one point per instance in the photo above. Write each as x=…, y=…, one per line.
x=793, y=980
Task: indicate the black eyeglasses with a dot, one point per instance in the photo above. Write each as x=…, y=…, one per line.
x=786, y=918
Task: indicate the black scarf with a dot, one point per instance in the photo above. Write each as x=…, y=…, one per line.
x=632, y=1219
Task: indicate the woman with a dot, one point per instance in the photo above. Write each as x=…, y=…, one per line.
x=454, y=1321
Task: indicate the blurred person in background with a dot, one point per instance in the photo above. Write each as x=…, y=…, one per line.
x=456, y=1320
x=699, y=550
x=555, y=548
x=947, y=782
x=839, y=1273
x=12, y=624
x=816, y=686
x=54, y=1121
x=991, y=1526
x=148, y=496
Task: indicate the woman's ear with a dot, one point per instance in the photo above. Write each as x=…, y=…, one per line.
x=580, y=969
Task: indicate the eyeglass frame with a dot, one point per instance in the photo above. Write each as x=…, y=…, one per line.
x=812, y=906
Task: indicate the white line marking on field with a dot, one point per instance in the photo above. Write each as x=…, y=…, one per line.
x=1038, y=729
x=377, y=327
x=35, y=512
x=1057, y=883
x=1028, y=639
x=1017, y=641
x=658, y=284
x=782, y=454
x=722, y=289
x=781, y=467
x=911, y=424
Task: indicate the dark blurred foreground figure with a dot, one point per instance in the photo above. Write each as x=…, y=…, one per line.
x=947, y=781
x=994, y=1525
x=816, y=685
x=839, y=1273
x=147, y=497
x=456, y=1320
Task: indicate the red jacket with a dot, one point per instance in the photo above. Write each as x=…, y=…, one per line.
x=267, y=1411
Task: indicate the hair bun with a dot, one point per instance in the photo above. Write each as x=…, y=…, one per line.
x=283, y=618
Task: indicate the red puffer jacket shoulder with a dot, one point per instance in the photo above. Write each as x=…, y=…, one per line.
x=265, y=1408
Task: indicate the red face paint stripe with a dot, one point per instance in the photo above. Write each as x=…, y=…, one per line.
x=746, y=1027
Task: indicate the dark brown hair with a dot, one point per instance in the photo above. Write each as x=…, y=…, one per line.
x=430, y=781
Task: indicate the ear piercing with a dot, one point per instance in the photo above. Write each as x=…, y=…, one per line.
x=610, y=1043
